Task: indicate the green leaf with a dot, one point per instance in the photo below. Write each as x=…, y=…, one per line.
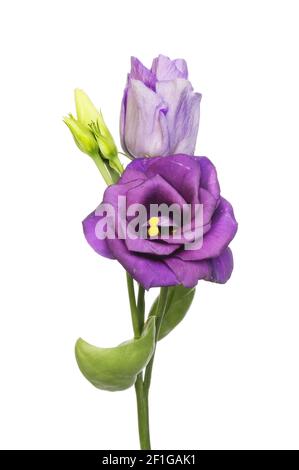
x=116, y=368
x=179, y=300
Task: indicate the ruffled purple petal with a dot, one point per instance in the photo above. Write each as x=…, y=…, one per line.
x=146, y=132
x=155, y=190
x=122, y=120
x=140, y=72
x=182, y=115
x=139, y=165
x=181, y=66
x=92, y=221
x=90, y=232
x=113, y=192
x=209, y=204
x=222, y=267
x=165, y=69
x=209, y=179
x=131, y=174
x=180, y=171
x=155, y=248
x=221, y=233
x=149, y=272
x=189, y=272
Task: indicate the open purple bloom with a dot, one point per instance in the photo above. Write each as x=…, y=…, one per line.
x=160, y=110
x=164, y=261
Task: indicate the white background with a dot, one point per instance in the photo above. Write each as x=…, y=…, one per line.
x=227, y=377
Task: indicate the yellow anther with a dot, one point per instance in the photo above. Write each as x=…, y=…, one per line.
x=153, y=221
x=153, y=230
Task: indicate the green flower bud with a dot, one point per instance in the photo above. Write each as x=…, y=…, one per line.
x=86, y=111
x=90, y=117
x=106, y=143
x=92, y=136
x=83, y=136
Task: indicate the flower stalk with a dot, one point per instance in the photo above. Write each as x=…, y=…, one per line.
x=142, y=402
x=142, y=386
x=159, y=319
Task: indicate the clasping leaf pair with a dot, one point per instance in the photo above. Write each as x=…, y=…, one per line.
x=116, y=368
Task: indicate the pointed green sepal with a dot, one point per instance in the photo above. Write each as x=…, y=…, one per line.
x=178, y=303
x=116, y=368
x=82, y=135
x=108, y=149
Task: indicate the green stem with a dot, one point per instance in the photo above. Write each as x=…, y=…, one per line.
x=103, y=169
x=141, y=303
x=142, y=402
x=143, y=416
x=134, y=311
x=113, y=173
x=159, y=318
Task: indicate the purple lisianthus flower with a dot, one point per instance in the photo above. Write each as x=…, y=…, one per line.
x=164, y=261
x=160, y=110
